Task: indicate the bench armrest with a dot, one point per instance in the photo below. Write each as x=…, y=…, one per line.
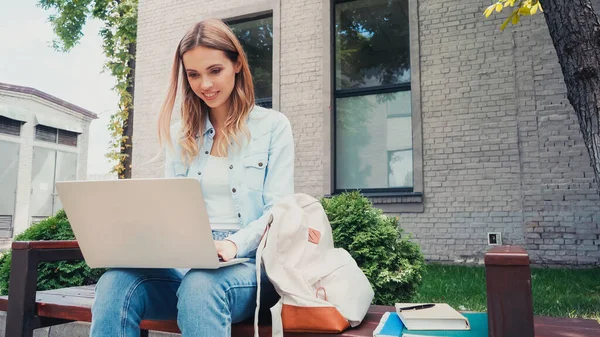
x=26, y=256
x=47, y=251
x=508, y=291
x=66, y=244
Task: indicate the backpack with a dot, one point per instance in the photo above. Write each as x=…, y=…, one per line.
x=321, y=288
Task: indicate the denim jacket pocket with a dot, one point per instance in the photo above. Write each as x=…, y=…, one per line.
x=254, y=170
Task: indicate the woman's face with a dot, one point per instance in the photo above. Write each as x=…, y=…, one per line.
x=211, y=75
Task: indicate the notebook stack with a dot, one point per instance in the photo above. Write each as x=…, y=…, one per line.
x=429, y=320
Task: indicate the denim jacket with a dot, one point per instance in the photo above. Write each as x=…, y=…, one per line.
x=260, y=171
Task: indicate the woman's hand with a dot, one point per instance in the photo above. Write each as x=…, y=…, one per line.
x=226, y=249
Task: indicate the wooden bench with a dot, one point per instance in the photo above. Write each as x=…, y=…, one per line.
x=28, y=309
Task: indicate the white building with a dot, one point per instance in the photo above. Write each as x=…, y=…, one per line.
x=43, y=139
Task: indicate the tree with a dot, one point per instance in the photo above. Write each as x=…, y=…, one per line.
x=119, y=44
x=575, y=33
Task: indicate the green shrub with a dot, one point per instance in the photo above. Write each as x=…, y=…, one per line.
x=52, y=275
x=393, y=264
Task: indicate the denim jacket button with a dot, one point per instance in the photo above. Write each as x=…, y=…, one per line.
x=199, y=173
x=231, y=167
x=205, y=152
x=233, y=190
x=239, y=215
x=260, y=164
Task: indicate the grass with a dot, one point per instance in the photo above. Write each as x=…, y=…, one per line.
x=573, y=293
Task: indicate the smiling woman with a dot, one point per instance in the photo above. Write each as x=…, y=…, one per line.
x=243, y=156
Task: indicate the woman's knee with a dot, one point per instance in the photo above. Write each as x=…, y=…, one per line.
x=201, y=287
x=114, y=288
x=114, y=281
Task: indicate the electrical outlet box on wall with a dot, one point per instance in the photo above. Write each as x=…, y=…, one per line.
x=494, y=238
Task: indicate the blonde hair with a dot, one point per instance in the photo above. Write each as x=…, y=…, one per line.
x=210, y=33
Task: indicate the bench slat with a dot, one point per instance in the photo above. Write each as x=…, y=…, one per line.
x=83, y=291
x=558, y=322
x=66, y=311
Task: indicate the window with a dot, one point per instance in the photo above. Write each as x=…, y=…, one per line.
x=10, y=126
x=46, y=133
x=48, y=167
x=67, y=137
x=58, y=136
x=373, y=148
x=256, y=37
x=9, y=174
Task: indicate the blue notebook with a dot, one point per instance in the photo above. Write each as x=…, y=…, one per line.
x=390, y=325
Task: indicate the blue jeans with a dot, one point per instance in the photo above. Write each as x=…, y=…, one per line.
x=204, y=302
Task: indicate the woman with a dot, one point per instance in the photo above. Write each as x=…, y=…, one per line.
x=243, y=156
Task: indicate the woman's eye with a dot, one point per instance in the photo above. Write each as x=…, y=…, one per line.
x=193, y=75
x=215, y=71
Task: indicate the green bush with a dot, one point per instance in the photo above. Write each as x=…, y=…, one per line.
x=52, y=275
x=393, y=264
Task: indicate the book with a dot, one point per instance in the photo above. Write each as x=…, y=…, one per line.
x=478, y=323
x=389, y=325
x=440, y=316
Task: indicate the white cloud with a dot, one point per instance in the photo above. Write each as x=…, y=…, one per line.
x=27, y=59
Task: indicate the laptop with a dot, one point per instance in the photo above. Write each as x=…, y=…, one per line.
x=141, y=223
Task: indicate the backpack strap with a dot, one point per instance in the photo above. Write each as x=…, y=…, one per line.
x=276, y=322
x=259, y=251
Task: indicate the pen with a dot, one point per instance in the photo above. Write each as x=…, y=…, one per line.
x=417, y=307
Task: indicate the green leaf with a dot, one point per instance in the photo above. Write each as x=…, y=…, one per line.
x=525, y=10
x=488, y=11
x=516, y=18
x=503, y=26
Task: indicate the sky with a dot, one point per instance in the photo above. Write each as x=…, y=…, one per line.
x=27, y=59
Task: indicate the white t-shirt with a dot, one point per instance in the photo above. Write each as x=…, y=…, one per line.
x=217, y=195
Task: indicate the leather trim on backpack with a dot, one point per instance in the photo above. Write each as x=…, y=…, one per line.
x=313, y=319
x=314, y=236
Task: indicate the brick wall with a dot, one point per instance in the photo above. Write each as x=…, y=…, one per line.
x=302, y=86
x=502, y=148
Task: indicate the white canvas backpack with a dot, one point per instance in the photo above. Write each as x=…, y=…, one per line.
x=321, y=287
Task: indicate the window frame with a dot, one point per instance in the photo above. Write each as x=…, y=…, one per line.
x=414, y=86
x=260, y=10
